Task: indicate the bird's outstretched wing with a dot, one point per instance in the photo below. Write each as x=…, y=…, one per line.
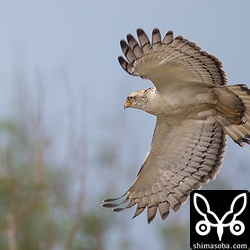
x=181, y=158
x=170, y=60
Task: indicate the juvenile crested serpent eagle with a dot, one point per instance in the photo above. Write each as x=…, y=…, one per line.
x=195, y=110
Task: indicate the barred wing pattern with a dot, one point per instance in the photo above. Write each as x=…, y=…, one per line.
x=170, y=60
x=180, y=159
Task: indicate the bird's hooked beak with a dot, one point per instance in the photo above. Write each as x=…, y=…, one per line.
x=127, y=104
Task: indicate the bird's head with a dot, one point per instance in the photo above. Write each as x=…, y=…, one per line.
x=137, y=99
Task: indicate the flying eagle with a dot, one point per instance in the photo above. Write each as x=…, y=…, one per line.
x=195, y=110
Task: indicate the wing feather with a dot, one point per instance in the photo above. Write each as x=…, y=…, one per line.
x=129, y=53
x=172, y=170
x=144, y=41
x=170, y=61
x=156, y=38
x=134, y=45
x=168, y=37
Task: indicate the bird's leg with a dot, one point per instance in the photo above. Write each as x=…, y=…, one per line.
x=232, y=115
x=230, y=106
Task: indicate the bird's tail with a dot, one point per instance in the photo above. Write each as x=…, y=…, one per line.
x=234, y=110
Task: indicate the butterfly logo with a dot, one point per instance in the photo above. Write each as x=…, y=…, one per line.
x=203, y=227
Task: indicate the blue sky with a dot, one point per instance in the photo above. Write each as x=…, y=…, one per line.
x=72, y=48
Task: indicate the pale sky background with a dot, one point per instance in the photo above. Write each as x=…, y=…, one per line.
x=71, y=48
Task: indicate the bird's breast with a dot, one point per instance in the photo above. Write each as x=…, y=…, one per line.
x=190, y=102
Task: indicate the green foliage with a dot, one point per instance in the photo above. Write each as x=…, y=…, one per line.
x=36, y=209
x=175, y=236
x=26, y=198
x=90, y=236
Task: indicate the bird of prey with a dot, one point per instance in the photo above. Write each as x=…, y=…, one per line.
x=195, y=109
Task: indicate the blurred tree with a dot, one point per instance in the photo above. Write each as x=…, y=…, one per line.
x=38, y=208
x=28, y=200
x=175, y=236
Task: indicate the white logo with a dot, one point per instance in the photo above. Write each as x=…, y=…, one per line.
x=203, y=227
